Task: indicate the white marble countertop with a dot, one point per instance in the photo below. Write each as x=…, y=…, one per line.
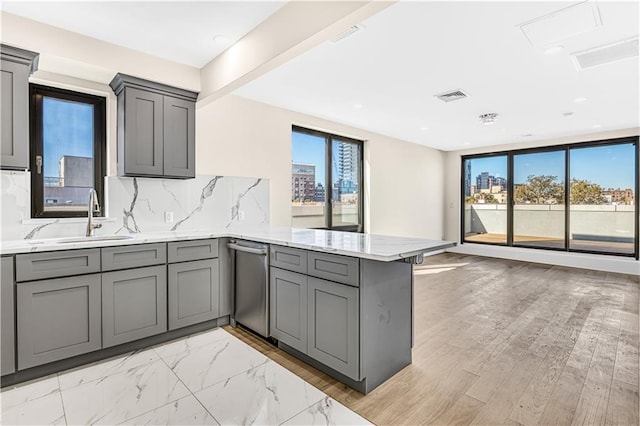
x=367, y=246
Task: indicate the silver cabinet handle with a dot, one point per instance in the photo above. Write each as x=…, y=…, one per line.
x=262, y=251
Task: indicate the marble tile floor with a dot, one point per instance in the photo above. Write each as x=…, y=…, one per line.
x=208, y=378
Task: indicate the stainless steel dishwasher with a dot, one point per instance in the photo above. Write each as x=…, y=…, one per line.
x=250, y=280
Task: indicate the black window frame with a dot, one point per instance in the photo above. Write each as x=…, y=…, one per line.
x=635, y=140
x=36, y=94
x=328, y=208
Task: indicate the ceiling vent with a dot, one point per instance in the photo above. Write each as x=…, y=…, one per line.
x=562, y=24
x=346, y=33
x=452, y=95
x=606, y=54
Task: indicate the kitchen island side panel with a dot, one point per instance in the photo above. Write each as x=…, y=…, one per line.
x=386, y=319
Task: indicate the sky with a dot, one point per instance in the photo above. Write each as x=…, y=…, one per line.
x=67, y=130
x=309, y=149
x=610, y=166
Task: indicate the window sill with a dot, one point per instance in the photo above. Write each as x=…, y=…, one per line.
x=66, y=220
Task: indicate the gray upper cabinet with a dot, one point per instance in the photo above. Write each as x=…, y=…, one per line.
x=57, y=319
x=8, y=341
x=333, y=321
x=179, y=129
x=134, y=304
x=156, y=128
x=16, y=65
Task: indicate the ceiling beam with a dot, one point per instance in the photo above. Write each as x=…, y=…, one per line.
x=294, y=29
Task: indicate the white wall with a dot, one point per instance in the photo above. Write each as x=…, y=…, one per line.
x=452, y=179
x=239, y=137
x=403, y=181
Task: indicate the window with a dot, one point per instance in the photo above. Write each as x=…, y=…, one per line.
x=326, y=181
x=577, y=197
x=68, y=144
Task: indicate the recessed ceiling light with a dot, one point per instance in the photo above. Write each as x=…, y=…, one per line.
x=554, y=50
x=358, y=105
x=222, y=40
x=579, y=100
x=597, y=126
x=488, y=118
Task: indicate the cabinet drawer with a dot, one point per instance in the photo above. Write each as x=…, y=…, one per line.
x=57, y=319
x=37, y=266
x=288, y=258
x=183, y=251
x=341, y=269
x=135, y=256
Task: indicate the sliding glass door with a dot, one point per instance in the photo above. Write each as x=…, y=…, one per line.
x=577, y=197
x=603, y=209
x=539, y=199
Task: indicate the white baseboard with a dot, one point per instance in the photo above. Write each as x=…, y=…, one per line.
x=598, y=262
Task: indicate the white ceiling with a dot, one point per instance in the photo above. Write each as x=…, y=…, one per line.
x=383, y=78
x=180, y=31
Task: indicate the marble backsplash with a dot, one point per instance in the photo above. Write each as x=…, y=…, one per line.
x=139, y=204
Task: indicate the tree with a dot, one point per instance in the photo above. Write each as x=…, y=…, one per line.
x=540, y=189
x=585, y=192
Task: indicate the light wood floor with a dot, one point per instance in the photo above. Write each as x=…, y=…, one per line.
x=505, y=342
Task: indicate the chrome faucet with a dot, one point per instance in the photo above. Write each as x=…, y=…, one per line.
x=94, y=207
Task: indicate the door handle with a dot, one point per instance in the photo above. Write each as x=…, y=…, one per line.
x=39, y=164
x=262, y=251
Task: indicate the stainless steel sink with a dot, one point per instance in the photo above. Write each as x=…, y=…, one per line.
x=95, y=238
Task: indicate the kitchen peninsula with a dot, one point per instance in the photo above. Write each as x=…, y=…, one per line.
x=341, y=302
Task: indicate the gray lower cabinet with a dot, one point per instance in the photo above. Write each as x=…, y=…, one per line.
x=333, y=326
x=193, y=292
x=134, y=304
x=8, y=336
x=16, y=66
x=57, y=318
x=288, y=313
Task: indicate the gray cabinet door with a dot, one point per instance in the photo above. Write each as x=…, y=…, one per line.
x=134, y=304
x=179, y=138
x=142, y=153
x=14, y=113
x=193, y=292
x=57, y=319
x=8, y=336
x=333, y=326
x=288, y=310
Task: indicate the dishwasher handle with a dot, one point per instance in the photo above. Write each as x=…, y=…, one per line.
x=260, y=251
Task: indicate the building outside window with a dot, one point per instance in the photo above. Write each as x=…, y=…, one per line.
x=326, y=181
